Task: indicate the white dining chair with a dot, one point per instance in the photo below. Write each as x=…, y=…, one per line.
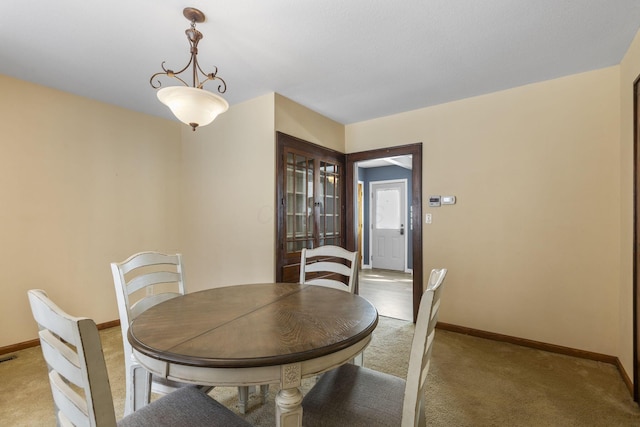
x=330, y=266
x=333, y=267
x=80, y=383
x=142, y=281
x=355, y=396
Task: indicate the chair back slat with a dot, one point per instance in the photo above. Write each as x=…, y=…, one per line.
x=61, y=357
x=436, y=277
x=56, y=324
x=146, y=303
x=328, y=266
x=421, y=348
x=332, y=267
x=145, y=259
x=153, y=278
x=70, y=406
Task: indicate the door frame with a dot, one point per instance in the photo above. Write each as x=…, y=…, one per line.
x=636, y=241
x=360, y=221
x=407, y=228
x=415, y=150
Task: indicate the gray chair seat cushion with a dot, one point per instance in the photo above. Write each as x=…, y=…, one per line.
x=354, y=396
x=187, y=406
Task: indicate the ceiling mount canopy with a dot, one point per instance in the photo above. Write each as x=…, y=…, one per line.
x=191, y=104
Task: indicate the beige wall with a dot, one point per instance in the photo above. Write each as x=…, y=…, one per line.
x=629, y=71
x=229, y=182
x=229, y=188
x=85, y=184
x=301, y=122
x=533, y=243
x=81, y=184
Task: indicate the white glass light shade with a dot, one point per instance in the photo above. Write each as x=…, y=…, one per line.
x=193, y=106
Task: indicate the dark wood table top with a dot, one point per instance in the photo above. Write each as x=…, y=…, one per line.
x=253, y=325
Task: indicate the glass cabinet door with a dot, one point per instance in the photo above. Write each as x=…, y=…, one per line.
x=309, y=190
x=308, y=203
x=329, y=232
x=299, y=181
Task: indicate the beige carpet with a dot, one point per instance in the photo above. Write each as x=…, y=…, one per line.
x=472, y=382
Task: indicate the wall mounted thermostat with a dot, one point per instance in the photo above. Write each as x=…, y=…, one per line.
x=434, y=201
x=448, y=200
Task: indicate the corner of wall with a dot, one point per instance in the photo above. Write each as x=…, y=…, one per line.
x=629, y=72
x=299, y=121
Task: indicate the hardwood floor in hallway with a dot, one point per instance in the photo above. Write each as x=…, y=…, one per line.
x=391, y=292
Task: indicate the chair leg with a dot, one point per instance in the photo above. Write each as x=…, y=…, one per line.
x=138, y=389
x=206, y=389
x=129, y=394
x=358, y=360
x=243, y=397
x=264, y=392
x=422, y=420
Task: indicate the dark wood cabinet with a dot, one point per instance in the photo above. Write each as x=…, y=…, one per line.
x=310, y=198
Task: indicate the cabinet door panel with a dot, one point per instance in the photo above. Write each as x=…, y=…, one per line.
x=310, y=189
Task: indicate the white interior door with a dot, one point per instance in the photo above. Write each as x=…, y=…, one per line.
x=388, y=224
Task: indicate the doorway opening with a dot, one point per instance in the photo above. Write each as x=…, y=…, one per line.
x=391, y=292
x=404, y=234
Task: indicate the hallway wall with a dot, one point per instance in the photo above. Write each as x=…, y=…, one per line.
x=532, y=244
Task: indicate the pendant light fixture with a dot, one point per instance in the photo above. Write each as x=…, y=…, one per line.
x=192, y=104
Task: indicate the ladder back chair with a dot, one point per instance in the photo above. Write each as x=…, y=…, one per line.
x=142, y=281
x=80, y=383
x=323, y=266
x=356, y=396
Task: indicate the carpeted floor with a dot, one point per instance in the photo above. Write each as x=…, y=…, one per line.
x=472, y=382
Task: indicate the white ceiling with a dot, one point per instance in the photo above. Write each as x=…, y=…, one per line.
x=349, y=60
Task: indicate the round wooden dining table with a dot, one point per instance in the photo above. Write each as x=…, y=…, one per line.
x=257, y=334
